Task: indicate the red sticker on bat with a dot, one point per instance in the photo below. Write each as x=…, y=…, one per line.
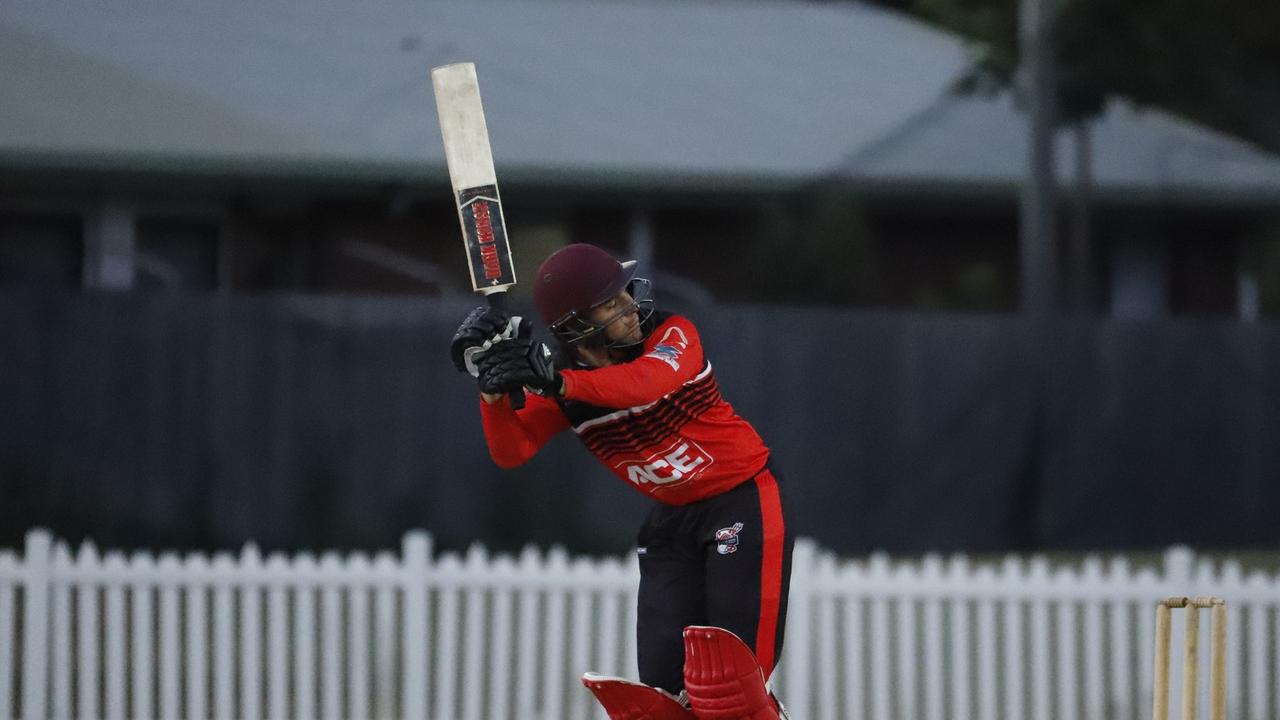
x=486, y=236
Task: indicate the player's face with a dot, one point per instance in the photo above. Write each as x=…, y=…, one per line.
x=620, y=318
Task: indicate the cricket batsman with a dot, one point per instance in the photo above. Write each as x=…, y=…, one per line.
x=635, y=385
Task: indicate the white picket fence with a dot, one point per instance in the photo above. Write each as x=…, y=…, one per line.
x=496, y=638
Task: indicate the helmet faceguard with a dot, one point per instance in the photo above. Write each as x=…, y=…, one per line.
x=576, y=328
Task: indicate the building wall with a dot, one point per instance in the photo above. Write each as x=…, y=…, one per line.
x=834, y=250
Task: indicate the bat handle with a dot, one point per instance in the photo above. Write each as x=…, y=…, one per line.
x=498, y=301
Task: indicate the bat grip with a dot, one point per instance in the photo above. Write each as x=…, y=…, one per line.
x=498, y=301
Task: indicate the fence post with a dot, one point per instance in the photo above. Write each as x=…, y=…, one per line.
x=1178, y=560
x=794, y=671
x=417, y=551
x=35, y=624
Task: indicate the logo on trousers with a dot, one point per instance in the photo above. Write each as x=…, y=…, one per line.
x=727, y=539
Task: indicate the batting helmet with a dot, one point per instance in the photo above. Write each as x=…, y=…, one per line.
x=575, y=279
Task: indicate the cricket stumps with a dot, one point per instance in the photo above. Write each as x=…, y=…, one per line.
x=1191, y=657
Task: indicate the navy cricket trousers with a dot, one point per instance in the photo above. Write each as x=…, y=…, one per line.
x=724, y=561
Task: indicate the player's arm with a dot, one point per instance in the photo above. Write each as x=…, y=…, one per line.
x=671, y=359
x=514, y=436
x=674, y=359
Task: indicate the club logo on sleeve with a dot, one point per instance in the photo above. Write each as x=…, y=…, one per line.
x=670, y=347
x=727, y=539
x=682, y=460
x=668, y=354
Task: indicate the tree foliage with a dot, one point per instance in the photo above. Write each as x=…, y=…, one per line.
x=818, y=248
x=1214, y=61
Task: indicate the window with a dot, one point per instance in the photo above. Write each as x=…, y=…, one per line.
x=43, y=250
x=173, y=253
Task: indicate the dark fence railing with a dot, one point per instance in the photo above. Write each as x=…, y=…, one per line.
x=204, y=421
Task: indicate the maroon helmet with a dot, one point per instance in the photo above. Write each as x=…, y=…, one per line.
x=575, y=279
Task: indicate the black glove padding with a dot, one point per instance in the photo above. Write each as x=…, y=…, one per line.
x=520, y=363
x=482, y=328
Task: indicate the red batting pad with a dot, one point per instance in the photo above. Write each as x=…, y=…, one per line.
x=627, y=700
x=722, y=679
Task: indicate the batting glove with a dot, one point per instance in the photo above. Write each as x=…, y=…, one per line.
x=482, y=329
x=519, y=363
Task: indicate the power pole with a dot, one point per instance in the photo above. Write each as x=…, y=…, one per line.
x=1037, y=209
x=1038, y=254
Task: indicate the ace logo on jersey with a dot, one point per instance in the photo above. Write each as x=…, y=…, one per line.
x=683, y=460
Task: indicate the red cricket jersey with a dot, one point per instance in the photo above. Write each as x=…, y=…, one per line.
x=657, y=422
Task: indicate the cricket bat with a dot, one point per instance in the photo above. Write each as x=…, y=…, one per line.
x=475, y=185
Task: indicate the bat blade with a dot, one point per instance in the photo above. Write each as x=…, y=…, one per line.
x=475, y=183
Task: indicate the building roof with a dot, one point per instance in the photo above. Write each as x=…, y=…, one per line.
x=980, y=145
x=646, y=93
x=758, y=91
